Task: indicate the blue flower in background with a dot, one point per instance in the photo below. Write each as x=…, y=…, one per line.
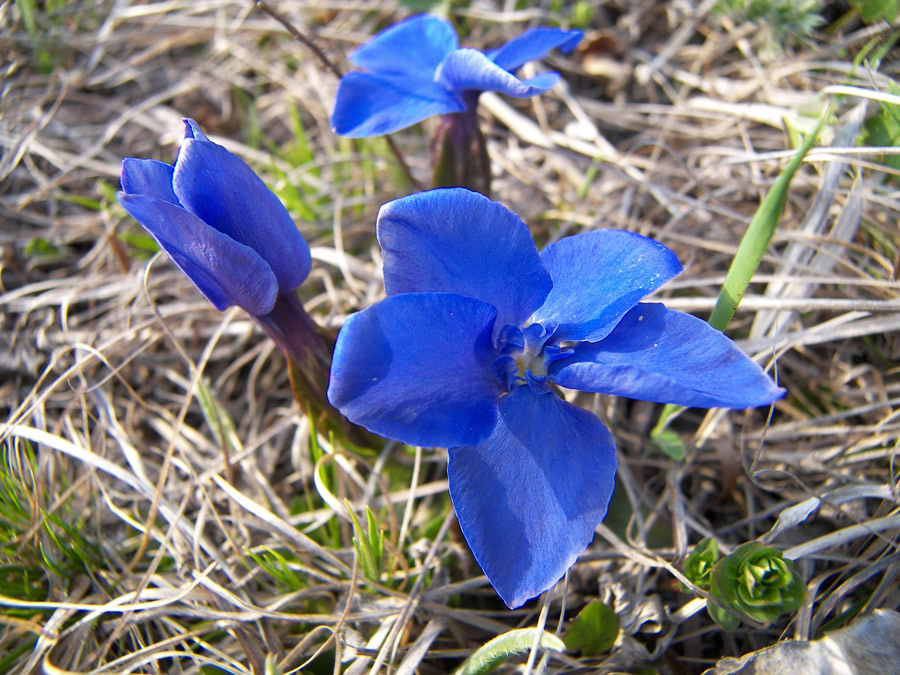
x=417, y=70
x=467, y=350
x=219, y=223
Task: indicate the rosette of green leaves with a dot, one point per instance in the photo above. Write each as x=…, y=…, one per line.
x=758, y=582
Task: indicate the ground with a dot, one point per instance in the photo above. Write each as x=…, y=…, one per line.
x=165, y=506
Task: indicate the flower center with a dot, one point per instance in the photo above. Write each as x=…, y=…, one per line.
x=525, y=356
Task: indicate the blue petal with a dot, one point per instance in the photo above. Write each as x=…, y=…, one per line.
x=414, y=47
x=226, y=272
x=192, y=130
x=220, y=189
x=417, y=368
x=597, y=277
x=148, y=177
x=528, y=498
x=372, y=105
x=534, y=44
x=470, y=69
x=458, y=241
x=659, y=354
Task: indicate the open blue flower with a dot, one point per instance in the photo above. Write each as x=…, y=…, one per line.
x=219, y=223
x=417, y=70
x=466, y=352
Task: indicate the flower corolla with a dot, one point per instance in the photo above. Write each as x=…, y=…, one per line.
x=468, y=349
x=218, y=222
x=416, y=69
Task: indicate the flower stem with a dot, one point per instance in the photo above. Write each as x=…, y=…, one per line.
x=459, y=151
x=308, y=348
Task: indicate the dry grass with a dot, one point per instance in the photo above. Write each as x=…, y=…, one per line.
x=153, y=531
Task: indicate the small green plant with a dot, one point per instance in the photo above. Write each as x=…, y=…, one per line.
x=755, y=581
x=883, y=129
x=369, y=545
x=758, y=582
x=698, y=567
x=42, y=248
x=786, y=20
x=279, y=566
x=39, y=539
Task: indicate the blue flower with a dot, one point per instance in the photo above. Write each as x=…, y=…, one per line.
x=219, y=223
x=468, y=349
x=417, y=70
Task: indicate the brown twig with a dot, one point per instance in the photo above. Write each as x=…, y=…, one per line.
x=329, y=65
x=301, y=38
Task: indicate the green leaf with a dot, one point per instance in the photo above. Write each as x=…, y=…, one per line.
x=493, y=653
x=142, y=241
x=871, y=11
x=750, y=252
x=278, y=566
x=726, y=620
x=883, y=129
x=376, y=536
x=594, y=630
x=27, y=9
x=299, y=152
x=39, y=247
x=759, y=233
x=369, y=545
x=669, y=442
x=583, y=14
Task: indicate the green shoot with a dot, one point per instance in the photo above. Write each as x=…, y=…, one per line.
x=369, y=545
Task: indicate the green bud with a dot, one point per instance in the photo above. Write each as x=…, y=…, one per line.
x=758, y=582
x=700, y=562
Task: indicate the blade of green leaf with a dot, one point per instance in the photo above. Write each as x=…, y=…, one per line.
x=759, y=233
x=369, y=562
x=217, y=418
x=494, y=652
x=750, y=252
x=376, y=537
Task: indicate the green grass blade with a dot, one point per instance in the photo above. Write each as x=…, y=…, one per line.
x=750, y=252
x=494, y=652
x=759, y=233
